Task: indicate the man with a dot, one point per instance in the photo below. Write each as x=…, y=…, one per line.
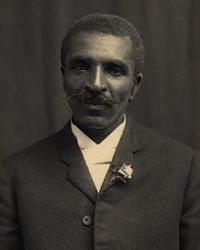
x=103, y=182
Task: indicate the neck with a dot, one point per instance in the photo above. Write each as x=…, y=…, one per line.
x=98, y=135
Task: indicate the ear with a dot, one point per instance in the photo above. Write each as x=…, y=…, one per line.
x=137, y=80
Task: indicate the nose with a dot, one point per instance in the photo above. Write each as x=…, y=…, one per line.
x=97, y=81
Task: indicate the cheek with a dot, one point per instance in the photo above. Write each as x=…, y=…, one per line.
x=122, y=90
x=73, y=84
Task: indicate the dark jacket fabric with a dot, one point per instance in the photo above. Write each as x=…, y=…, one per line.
x=48, y=200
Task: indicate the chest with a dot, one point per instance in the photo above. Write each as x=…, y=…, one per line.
x=144, y=211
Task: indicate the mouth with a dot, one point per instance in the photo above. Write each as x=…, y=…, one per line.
x=94, y=104
x=95, y=107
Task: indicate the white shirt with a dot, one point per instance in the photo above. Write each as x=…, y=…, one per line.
x=98, y=156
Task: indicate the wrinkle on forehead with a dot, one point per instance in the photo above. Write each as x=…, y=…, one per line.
x=101, y=45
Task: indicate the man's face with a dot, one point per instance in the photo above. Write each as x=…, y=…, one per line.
x=99, y=78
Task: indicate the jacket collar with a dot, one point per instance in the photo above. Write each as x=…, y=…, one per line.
x=129, y=144
x=77, y=171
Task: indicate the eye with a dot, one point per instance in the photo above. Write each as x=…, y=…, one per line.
x=80, y=67
x=115, y=70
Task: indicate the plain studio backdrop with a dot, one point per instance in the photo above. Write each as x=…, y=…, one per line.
x=32, y=100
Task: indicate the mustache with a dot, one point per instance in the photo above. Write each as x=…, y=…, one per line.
x=85, y=97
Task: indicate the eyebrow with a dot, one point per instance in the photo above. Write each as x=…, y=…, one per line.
x=75, y=59
x=89, y=59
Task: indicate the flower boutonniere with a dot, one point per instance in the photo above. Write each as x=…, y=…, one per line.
x=122, y=173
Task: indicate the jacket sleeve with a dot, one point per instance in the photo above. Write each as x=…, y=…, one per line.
x=190, y=220
x=9, y=227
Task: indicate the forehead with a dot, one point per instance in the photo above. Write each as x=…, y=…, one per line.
x=101, y=46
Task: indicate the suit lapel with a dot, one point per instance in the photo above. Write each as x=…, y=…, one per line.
x=127, y=147
x=78, y=173
x=77, y=170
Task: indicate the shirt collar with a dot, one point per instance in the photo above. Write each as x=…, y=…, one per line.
x=110, y=141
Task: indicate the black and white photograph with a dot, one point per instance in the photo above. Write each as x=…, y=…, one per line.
x=100, y=125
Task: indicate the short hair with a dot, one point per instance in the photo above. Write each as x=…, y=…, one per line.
x=107, y=24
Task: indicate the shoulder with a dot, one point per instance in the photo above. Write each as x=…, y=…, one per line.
x=43, y=151
x=160, y=148
x=149, y=138
x=167, y=158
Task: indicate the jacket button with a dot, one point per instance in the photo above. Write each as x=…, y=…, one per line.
x=87, y=220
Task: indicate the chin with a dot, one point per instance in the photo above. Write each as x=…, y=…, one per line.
x=94, y=122
x=95, y=125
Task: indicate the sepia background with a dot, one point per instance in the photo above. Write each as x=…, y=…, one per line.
x=32, y=101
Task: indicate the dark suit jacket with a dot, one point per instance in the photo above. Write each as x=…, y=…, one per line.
x=46, y=192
